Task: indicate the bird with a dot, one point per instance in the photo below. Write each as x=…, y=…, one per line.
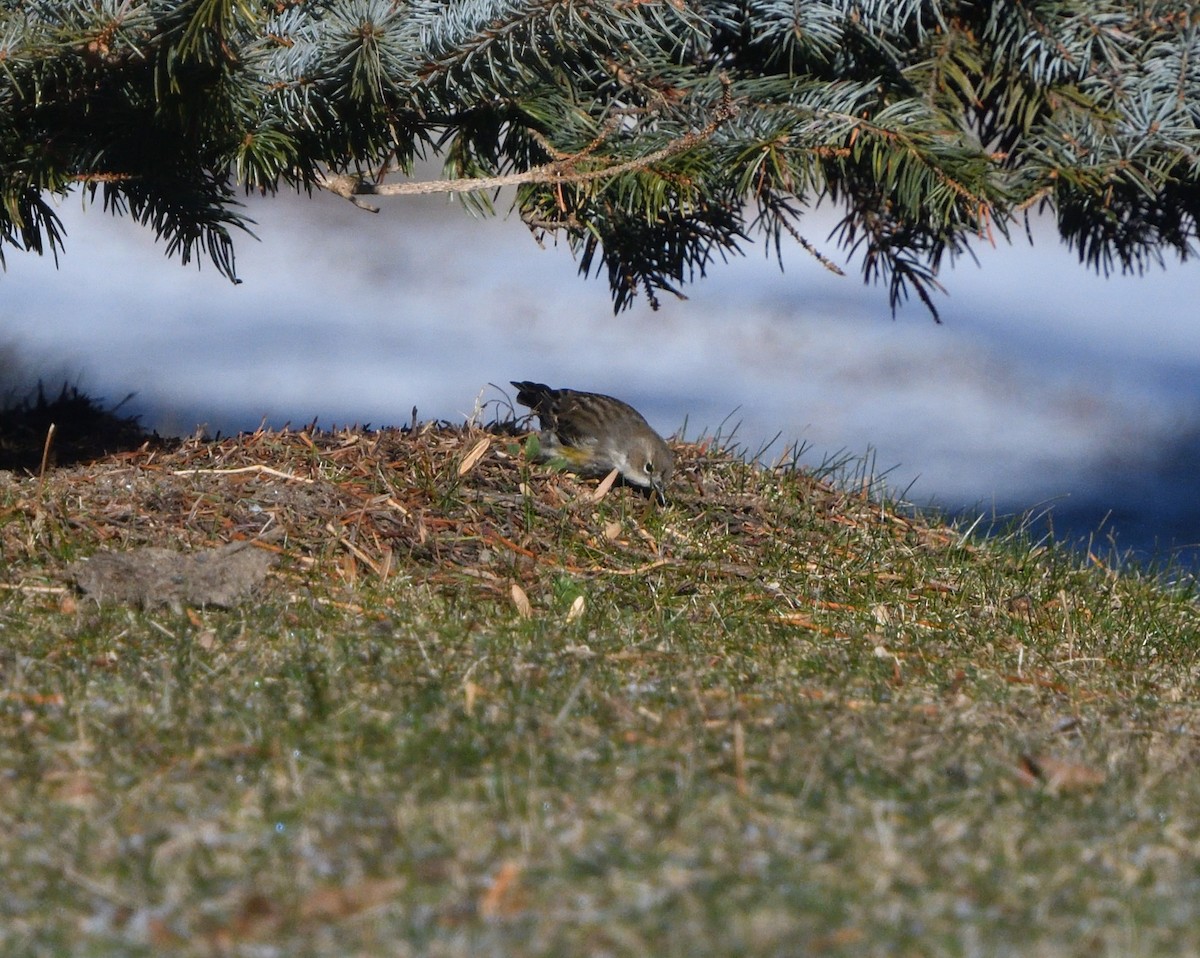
x=595, y=434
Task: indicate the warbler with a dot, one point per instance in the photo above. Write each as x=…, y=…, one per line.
x=596, y=434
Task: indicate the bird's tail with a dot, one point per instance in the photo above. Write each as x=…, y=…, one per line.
x=534, y=395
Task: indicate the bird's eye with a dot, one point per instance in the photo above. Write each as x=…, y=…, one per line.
x=649, y=467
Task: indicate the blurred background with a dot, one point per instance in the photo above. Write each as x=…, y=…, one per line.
x=1045, y=388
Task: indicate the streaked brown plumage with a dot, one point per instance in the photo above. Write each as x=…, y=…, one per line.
x=595, y=433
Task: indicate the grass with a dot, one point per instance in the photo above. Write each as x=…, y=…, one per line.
x=475, y=712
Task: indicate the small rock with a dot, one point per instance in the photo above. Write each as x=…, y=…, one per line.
x=153, y=577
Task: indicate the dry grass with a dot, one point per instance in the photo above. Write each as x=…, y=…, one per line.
x=474, y=710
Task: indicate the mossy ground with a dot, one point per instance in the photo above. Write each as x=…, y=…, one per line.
x=476, y=711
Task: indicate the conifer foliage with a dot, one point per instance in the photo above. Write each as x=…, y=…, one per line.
x=654, y=136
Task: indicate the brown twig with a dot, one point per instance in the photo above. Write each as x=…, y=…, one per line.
x=46, y=457
x=352, y=186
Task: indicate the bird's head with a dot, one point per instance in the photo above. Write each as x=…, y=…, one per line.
x=650, y=463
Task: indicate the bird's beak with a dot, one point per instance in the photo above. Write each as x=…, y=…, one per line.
x=660, y=491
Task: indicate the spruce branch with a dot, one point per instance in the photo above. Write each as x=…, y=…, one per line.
x=929, y=124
